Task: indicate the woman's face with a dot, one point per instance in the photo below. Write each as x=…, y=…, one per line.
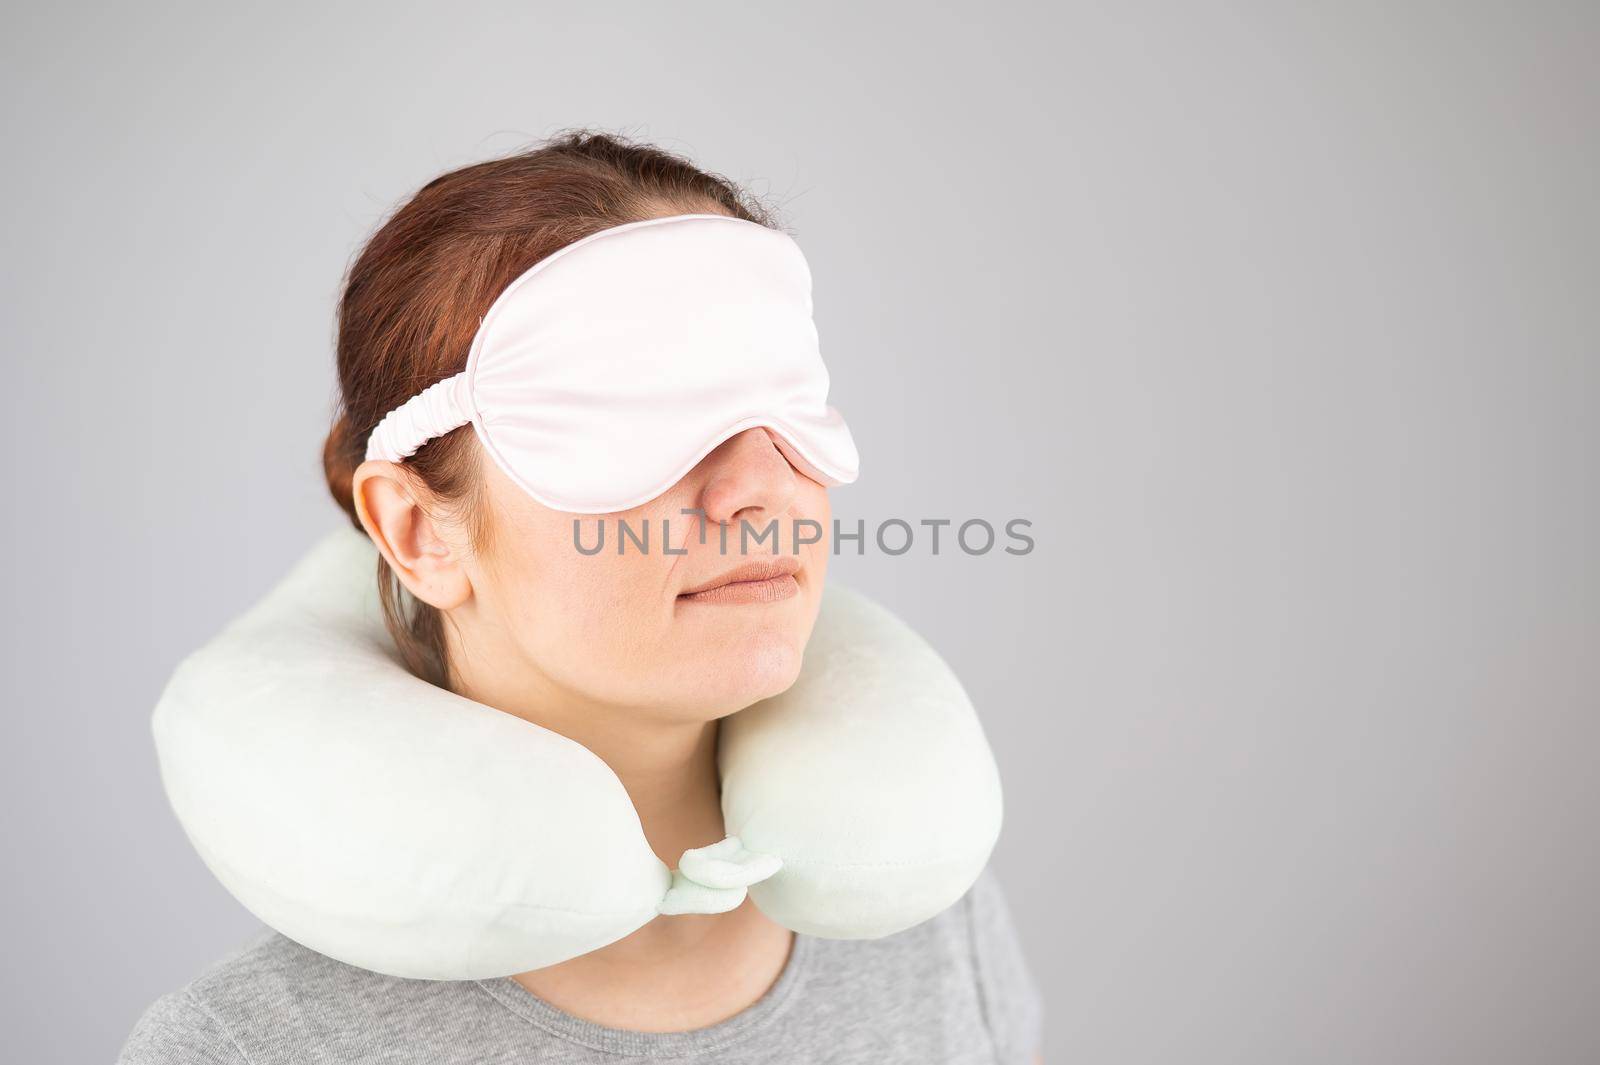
x=659, y=617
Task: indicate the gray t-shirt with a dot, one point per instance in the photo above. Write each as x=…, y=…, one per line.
x=953, y=989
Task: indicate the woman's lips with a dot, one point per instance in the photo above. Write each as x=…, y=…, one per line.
x=771, y=590
x=760, y=580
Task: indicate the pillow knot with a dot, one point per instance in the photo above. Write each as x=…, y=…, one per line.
x=716, y=878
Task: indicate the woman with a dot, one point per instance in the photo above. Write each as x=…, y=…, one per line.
x=637, y=656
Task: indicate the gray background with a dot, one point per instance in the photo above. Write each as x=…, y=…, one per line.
x=1278, y=321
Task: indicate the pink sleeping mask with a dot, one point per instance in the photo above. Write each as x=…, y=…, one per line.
x=604, y=373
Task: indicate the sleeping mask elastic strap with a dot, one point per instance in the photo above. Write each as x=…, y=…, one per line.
x=604, y=373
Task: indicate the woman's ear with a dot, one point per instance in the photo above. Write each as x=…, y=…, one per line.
x=427, y=563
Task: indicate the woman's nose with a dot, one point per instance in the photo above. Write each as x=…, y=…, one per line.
x=747, y=479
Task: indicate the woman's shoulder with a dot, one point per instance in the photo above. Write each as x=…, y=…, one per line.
x=959, y=979
x=177, y=1029
x=1012, y=1001
x=270, y=987
x=183, y=1025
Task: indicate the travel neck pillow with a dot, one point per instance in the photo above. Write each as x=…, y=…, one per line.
x=395, y=826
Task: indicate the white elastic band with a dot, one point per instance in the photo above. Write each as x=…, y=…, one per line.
x=434, y=411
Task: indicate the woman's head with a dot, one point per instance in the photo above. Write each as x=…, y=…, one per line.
x=486, y=590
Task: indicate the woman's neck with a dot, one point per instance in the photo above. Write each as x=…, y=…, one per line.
x=670, y=772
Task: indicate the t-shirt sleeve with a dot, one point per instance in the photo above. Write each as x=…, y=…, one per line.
x=178, y=1030
x=1011, y=1000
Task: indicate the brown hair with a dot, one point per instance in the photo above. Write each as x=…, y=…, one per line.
x=414, y=295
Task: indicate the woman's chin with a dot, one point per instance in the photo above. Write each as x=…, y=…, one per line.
x=747, y=671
